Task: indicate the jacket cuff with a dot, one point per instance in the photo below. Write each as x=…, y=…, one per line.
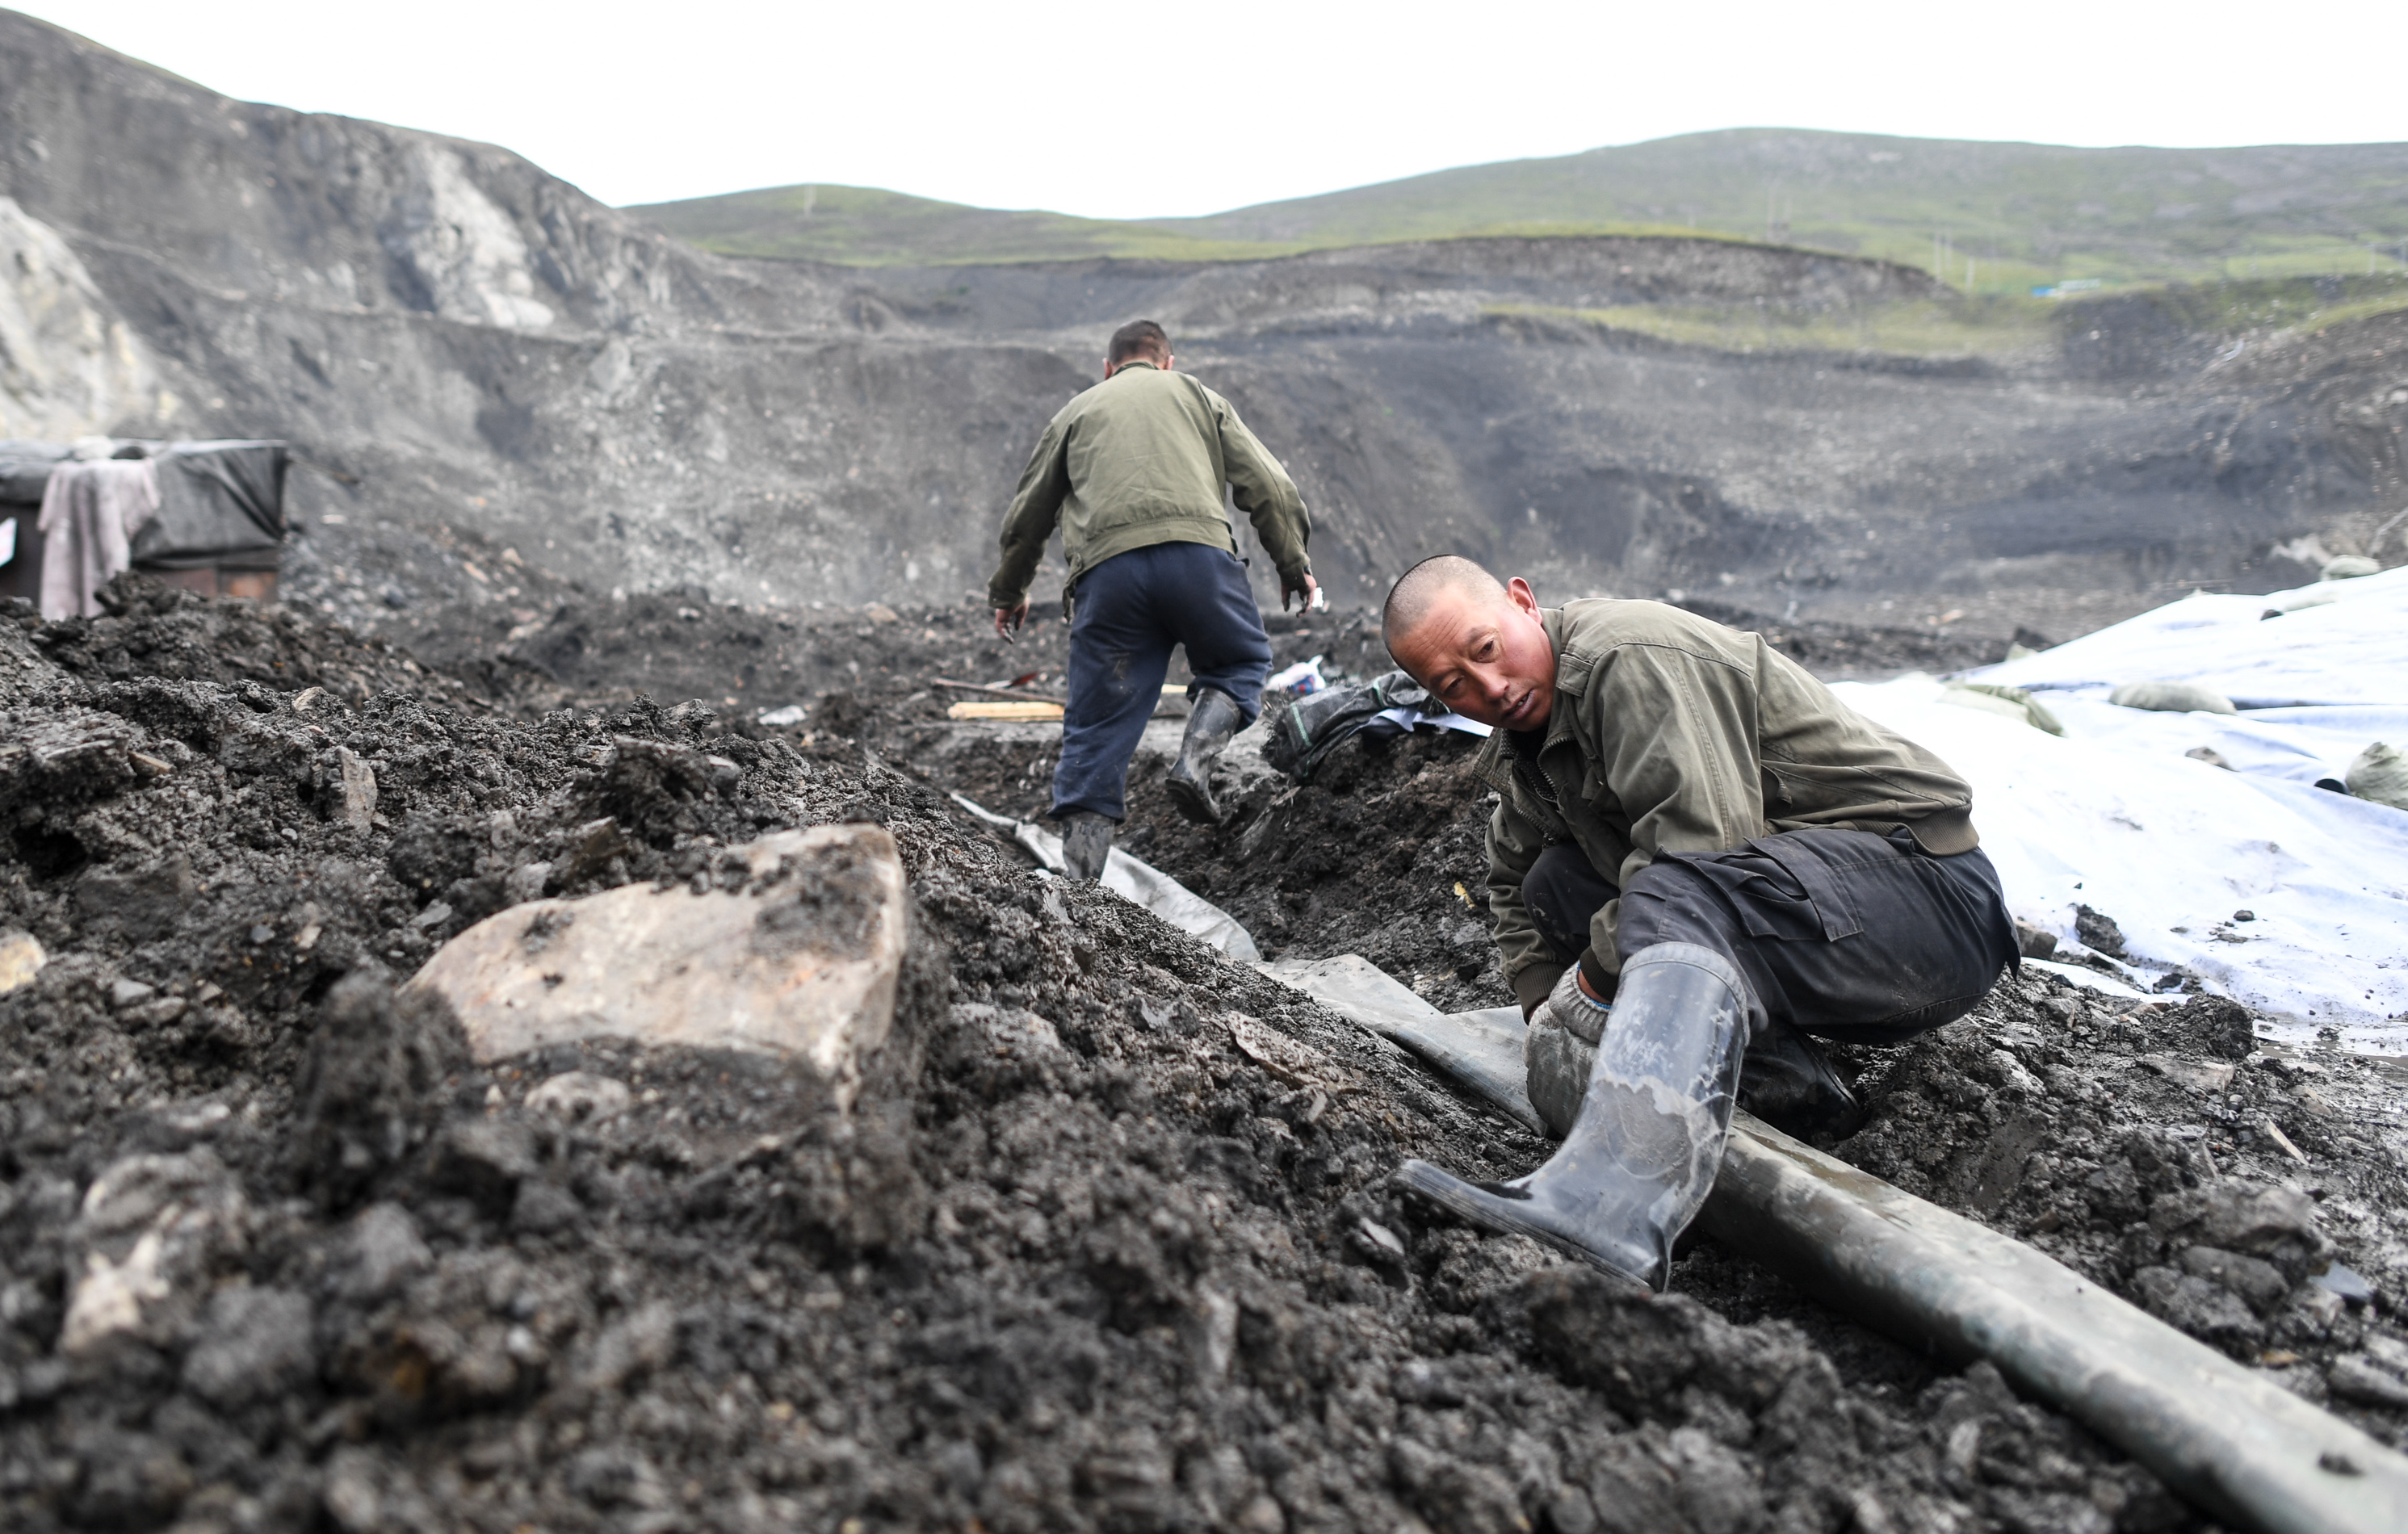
x=1600, y=981
x=1531, y=987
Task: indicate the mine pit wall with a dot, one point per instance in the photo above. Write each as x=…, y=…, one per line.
x=449, y=335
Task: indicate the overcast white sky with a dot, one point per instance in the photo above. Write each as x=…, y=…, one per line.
x=1131, y=109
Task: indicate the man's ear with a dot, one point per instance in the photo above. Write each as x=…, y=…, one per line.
x=1519, y=593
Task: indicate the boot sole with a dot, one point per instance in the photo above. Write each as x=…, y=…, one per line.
x=1193, y=802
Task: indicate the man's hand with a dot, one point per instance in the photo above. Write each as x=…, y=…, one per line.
x=1008, y=621
x=1302, y=589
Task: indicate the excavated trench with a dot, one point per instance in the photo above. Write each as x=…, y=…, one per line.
x=1089, y=1252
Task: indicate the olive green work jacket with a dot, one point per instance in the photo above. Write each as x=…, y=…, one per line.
x=1140, y=459
x=1672, y=734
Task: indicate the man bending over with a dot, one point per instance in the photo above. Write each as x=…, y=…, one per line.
x=1132, y=471
x=1699, y=859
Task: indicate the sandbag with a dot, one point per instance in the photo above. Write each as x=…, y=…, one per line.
x=1304, y=730
x=2380, y=773
x=2172, y=697
x=2007, y=702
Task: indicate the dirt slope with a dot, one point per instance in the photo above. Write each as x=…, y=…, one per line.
x=1084, y=1259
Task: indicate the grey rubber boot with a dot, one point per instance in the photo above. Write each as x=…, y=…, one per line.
x=1209, y=723
x=1086, y=843
x=1789, y=1083
x=1642, y=1153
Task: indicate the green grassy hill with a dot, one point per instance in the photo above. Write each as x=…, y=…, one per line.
x=2022, y=214
x=863, y=226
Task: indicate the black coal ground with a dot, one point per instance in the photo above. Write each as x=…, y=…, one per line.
x=275, y=1254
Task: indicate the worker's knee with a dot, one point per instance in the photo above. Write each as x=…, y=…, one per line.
x=1563, y=892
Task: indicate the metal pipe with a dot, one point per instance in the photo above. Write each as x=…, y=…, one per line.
x=2231, y=1442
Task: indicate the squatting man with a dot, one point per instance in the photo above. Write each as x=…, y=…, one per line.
x=1132, y=471
x=1699, y=861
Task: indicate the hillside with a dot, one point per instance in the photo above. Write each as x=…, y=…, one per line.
x=457, y=343
x=2022, y=214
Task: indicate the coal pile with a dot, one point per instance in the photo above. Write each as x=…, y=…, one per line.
x=1105, y=1243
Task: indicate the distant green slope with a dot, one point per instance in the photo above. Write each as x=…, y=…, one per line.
x=863, y=226
x=2021, y=214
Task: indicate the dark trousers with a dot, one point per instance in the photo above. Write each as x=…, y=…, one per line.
x=1861, y=939
x=1130, y=611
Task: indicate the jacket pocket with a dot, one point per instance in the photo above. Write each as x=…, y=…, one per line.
x=1824, y=878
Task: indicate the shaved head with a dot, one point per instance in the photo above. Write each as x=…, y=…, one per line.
x=1481, y=648
x=1418, y=590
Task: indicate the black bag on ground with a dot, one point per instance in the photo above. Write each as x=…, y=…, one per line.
x=1306, y=729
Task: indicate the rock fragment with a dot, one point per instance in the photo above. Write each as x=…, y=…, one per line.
x=801, y=962
x=254, y=1344
x=359, y=787
x=2356, y=1377
x=579, y=1095
x=20, y=959
x=151, y=1228
x=382, y=1251
x=2098, y=930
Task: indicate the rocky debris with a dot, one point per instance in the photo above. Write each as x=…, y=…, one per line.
x=1105, y=1241
x=790, y=945
x=2099, y=931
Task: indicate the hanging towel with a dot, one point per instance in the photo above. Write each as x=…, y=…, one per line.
x=89, y=514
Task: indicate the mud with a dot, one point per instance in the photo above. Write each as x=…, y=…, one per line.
x=1087, y=1254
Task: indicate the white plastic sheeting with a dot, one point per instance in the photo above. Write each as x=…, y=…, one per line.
x=1480, y=1052
x=2116, y=816
x=1134, y=879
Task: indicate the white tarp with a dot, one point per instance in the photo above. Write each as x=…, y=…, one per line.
x=1136, y=879
x=1481, y=1051
x=2115, y=816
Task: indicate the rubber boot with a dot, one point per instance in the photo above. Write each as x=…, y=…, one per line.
x=1789, y=1083
x=1641, y=1155
x=1086, y=843
x=1209, y=723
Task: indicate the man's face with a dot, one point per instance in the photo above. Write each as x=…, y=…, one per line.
x=1487, y=660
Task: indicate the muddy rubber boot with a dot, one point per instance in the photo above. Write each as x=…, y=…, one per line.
x=1787, y=1081
x=1641, y=1155
x=1086, y=843
x=1210, y=725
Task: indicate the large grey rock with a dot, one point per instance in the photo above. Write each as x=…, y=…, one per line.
x=800, y=963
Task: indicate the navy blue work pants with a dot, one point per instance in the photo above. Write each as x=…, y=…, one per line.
x=1130, y=611
x=1860, y=938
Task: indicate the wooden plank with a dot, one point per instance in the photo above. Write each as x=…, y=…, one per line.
x=1004, y=711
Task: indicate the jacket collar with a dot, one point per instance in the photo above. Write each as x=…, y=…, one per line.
x=1559, y=716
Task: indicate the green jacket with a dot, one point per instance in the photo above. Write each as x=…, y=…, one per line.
x=1140, y=459
x=1671, y=734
